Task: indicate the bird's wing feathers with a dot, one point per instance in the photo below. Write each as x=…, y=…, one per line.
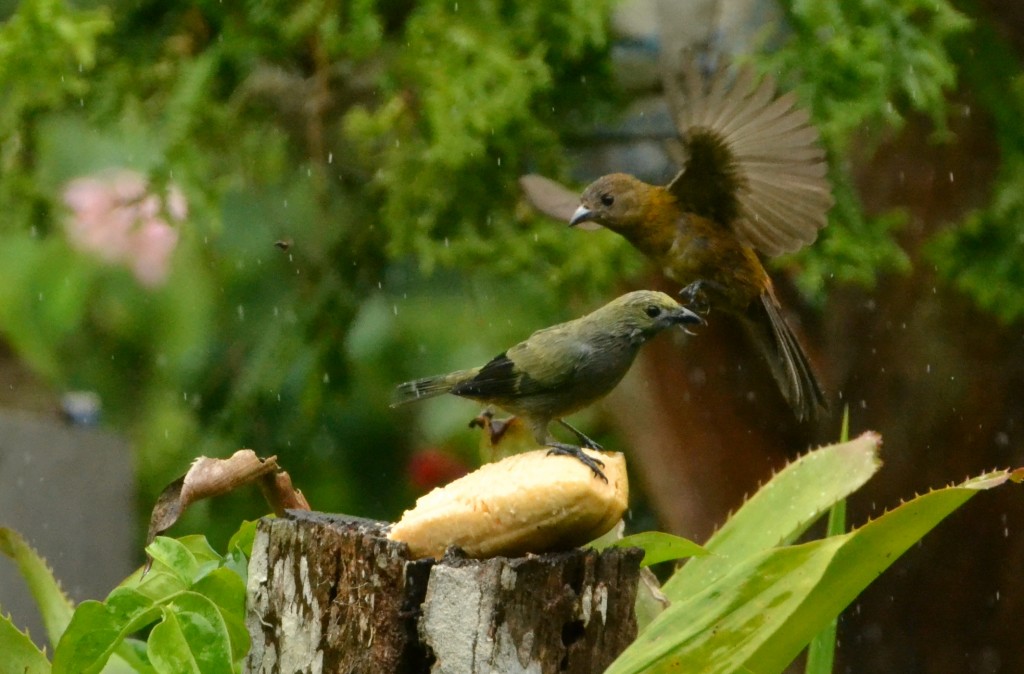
x=753, y=158
x=549, y=197
x=544, y=362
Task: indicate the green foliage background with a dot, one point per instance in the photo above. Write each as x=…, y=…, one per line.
x=383, y=140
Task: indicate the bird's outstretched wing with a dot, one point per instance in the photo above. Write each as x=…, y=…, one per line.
x=753, y=159
x=552, y=198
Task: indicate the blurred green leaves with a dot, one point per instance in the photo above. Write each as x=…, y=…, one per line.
x=46, y=52
x=383, y=141
x=862, y=66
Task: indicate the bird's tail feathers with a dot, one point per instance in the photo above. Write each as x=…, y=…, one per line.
x=428, y=387
x=788, y=361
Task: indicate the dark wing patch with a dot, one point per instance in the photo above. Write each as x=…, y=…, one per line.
x=499, y=378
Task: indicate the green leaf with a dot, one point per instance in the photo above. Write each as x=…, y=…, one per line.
x=226, y=589
x=97, y=628
x=781, y=510
x=660, y=547
x=19, y=653
x=159, y=584
x=822, y=651
x=168, y=649
x=192, y=637
x=200, y=548
x=242, y=539
x=54, y=606
x=175, y=556
x=132, y=652
x=760, y=615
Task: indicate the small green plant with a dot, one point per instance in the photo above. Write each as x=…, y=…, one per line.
x=191, y=601
x=755, y=599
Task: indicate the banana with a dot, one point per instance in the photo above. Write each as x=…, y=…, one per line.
x=528, y=502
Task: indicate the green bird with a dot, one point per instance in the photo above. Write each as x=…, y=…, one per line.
x=562, y=369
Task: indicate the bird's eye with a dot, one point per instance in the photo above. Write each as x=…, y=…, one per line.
x=653, y=310
x=607, y=199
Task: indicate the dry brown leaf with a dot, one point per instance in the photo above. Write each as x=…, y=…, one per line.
x=213, y=477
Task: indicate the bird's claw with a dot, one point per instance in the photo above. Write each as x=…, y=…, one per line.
x=482, y=420
x=696, y=298
x=558, y=448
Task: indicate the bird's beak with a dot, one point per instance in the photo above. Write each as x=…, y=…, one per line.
x=582, y=214
x=683, y=317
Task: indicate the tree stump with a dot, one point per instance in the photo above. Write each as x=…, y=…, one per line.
x=331, y=593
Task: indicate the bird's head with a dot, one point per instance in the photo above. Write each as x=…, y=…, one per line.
x=644, y=313
x=614, y=201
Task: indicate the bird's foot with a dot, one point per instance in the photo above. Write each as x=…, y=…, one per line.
x=482, y=420
x=695, y=297
x=576, y=452
x=584, y=440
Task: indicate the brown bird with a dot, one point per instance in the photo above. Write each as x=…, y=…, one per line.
x=753, y=179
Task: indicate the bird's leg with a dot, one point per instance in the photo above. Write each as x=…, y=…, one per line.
x=584, y=440
x=576, y=452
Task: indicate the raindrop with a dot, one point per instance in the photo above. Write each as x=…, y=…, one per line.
x=863, y=404
x=379, y=285
x=241, y=312
x=330, y=157
x=950, y=176
x=446, y=242
x=499, y=161
x=928, y=368
x=327, y=378
x=394, y=309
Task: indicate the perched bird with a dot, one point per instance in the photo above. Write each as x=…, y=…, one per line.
x=562, y=369
x=753, y=179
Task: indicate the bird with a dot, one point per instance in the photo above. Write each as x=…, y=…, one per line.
x=753, y=180
x=563, y=368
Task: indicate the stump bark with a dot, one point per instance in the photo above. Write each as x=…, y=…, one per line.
x=331, y=593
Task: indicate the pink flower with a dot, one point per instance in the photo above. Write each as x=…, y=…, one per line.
x=115, y=217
